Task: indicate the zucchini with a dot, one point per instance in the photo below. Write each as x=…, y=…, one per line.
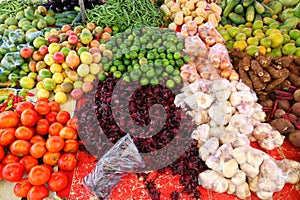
x=247, y=3
x=229, y=7
x=250, y=13
x=260, y=9
x=239, y=9
x=237, y=19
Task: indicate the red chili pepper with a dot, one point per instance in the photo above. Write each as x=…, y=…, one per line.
x=284, y=97
x=30, y=94
x=274, y=108
x=283, y=93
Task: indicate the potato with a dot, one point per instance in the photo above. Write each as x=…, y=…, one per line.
x=296, y=109
x=283, y=104
x=278, y=113
x=283, y=125
x=294, y=138
x=297, y=95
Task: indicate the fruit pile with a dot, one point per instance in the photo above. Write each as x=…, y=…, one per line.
x=34, y=138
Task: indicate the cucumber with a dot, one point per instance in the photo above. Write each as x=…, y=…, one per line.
x=229, y=7
x=239, y=9
x=275, y=6
x=260, y=9
x=237, y=19
x=247, y=3
x=250, y=13
x=223, y=4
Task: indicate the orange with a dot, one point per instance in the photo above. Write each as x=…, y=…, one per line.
x=73, y=61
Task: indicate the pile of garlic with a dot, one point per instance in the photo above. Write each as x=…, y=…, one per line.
x=228, y=118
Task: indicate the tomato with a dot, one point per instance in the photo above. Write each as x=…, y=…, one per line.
x=49, y=167
x=29, y=117
x=1, y=168
x=23, y=105
x=8, y=119
x=42, y=107
x=51, y=117
x=58, y=181
x=68, y=133
x=67, y=162
x=2, y=153
x=42, y=100
x=63, y=116
x=13, y=172
x=36, y=139
x=55, y=128
x=39, y=175
x=55, y=144
x=72, y=123
x=37, y=150
x=42, y=127
x=22, y=187
x=10, y=158
x=29, y=162
x=50, y=158
x=7, y=136
x=20, y=147
x=71, y=146
x=24, y=133
x=37, y=192
x=54, y=106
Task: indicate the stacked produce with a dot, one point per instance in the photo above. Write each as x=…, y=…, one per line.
x=12, y=8
x=184, y=11
x=37, y=140
x=256, y=28
x=67, y=5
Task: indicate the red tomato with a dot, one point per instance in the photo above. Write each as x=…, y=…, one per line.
x=37, y=192
x=29, y=117
x=42, y=127
x=50, y=158
x=71, y=146
x=42, y=107
x=107, y=29
x=55, y=144
x=54, y=106
x=2, y=153
x=51, y=116
x=8, y=119
x=49, y=167
x=29, y=162
x=58, y=181
x=7, y=136
x=68, y=133
x=37, y=150
x=36, y=139
x=42, y=100
x=1, y=168
x=23, y=105
x=72, y=123
x=39, y=175
x=13, y=172
x=24, y=133
x=20, y=147
x=55, y=128
x=63, y=116
x=10, y=158
x=67, y=162
x=22, y=187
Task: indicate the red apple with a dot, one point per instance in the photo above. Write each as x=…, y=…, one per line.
x=43, y=50
x=59, y=57
x=37, y=56
x=73, y=39
x=26, y=52
x=53, y=39
x=70, y=32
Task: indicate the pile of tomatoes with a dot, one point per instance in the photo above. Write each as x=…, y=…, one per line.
x=34, y=138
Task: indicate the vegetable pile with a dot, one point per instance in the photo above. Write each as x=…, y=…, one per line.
x=39, y=141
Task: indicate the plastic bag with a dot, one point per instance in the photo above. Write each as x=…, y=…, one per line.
x=209, y=34
x=122, y=158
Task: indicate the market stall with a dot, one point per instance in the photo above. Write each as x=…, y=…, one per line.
x=141, y=99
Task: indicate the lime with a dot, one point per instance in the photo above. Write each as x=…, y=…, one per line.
x=294, y=34
x=102, y=76
x=169, y=69
x=170, y=83
x=27, y=82
x=154, y=81
x=49, y=84
x=288, y=49
x=144, y=81
x=117, y=74
x=126, y=79
x=45, y=73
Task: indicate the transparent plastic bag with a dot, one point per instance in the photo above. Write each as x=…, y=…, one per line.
x=122, y=158
x=209, y=34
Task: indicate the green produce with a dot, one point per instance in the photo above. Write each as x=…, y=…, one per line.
x=250, y=13
x=239, y=9
x=286, y=13
x=292, y=22
x=237, y=19
x=247, y=3
x=11, y=8
x=294, y=34
x=297, y=10
x=260, y=9
x=229, y=7
x=276, y=7
x=289, y=49
x=289, y=2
